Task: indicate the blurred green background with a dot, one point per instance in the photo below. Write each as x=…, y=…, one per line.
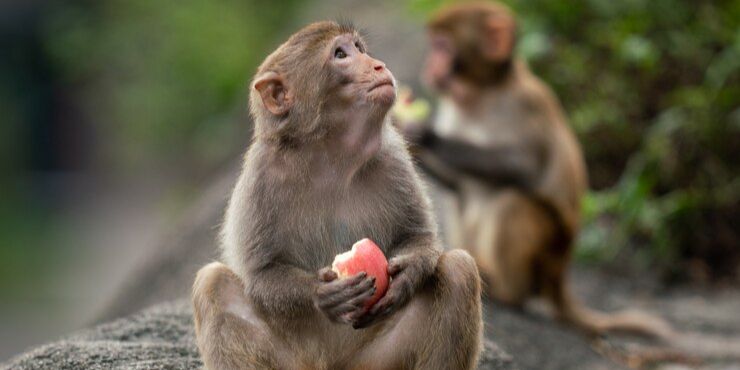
x=652, y=88
x=133, y=105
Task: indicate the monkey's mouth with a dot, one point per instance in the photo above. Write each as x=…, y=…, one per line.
x=381, y=83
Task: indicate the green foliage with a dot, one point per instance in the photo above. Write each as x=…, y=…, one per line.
x=163, y=75
x=162, y=86
x=26, y=229
x=652, y=88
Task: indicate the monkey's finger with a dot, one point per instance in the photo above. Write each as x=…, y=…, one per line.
x=332, y=295
x=368, y=318
x=328, y=296
x=359, y=301
x=349, y=314
x=385, y=311
x=354, y=279
x=336, y=317
x=354, y=285
x=338, y=285
x=351, y=317
x=326, y=274
x=329, y=301
x=388, y=310
x=343, y=314
x=396, y=265
x=344, y=294
x=363, y=321
x=394, y=269
x=344, y=310
x=360, y=318
x=361, y=288
x=383, y=304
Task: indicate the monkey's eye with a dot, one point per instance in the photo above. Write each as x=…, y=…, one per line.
x=359, y=47
x=339, y=53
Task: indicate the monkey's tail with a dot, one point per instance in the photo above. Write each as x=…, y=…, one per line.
x=572, y=310
x=594, y=322
x=675, y=346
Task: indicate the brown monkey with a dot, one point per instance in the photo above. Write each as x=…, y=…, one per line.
x=501, y=143
x=326, y=169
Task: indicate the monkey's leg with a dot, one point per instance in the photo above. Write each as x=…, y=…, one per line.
x=455, y=340
x=228, y=333
x=517, y=234
x=453, y=223
x=440, y=328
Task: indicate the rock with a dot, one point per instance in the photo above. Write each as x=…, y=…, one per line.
x=160, y=337
x=492, y=357
x=157, y=338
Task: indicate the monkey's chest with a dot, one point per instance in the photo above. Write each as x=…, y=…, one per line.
x=317, y=237
x=494, y=125
x=362, y=218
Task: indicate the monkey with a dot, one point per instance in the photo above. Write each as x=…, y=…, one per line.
x=501, y=144
x=326, y=168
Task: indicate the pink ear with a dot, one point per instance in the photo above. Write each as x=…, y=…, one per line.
x=275, y=95
x=498, y=38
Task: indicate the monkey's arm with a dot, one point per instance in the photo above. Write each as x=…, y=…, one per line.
x=427, y=162
x=413, y=260
x=282, y=289
x=445, y=175
x=499, y=166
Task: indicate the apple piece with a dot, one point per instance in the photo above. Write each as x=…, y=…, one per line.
x=365, y=256
x=410, y=109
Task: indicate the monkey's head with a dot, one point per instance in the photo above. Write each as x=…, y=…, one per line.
x=470, y=42
x=315, y=80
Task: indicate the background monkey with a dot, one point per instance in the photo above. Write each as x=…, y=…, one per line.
x=326, y=169
x=501, y=143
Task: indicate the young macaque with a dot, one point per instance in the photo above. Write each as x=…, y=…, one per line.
x=325, y=170
x=501, y=144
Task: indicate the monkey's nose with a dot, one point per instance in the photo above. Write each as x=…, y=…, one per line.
x=379, y=66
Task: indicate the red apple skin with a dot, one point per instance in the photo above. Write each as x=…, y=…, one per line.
x=365, y=256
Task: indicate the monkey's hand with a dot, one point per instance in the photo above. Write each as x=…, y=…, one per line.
x=410, y=115
x=406, y=276
x=414, y=132
x=409, y=108
x=343, y=300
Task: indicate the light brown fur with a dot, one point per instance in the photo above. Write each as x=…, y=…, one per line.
x=501, y=142
x=326, y=169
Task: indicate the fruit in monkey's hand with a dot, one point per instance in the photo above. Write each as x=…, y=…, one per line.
x=408, y=108
x=365, y=256
x=410, y=115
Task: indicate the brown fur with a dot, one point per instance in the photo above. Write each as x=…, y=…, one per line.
x=322, y=173
x=518, y=175
x=464, y=22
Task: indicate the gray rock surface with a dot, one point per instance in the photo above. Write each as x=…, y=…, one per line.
x=157, y=338
x=160, y=337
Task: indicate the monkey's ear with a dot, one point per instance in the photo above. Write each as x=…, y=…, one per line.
x=498, y=38
x=275, y=95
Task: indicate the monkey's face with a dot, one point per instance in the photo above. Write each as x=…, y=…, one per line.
x=470, y=49
x=439, y=66
x=358, y=79
x=318, y=81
